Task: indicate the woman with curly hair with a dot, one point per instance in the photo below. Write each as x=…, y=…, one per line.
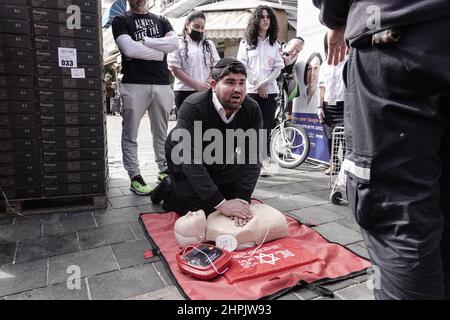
x=191, y=64
x=260, y=52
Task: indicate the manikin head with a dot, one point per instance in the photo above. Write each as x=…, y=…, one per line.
x=191, y=228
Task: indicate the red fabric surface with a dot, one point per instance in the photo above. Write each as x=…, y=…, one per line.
x=334, y=261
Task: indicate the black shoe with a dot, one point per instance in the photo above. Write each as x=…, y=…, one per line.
x=160, y=190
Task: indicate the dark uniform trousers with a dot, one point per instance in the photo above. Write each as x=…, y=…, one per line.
x=397, y=119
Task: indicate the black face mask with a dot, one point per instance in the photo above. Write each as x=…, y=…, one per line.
x=196, y=35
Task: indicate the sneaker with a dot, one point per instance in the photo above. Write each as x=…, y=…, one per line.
x=139, y=186
x=163, y=174
x=158, y=192
x=327, y=171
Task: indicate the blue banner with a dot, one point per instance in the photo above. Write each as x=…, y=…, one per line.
x=318, y=143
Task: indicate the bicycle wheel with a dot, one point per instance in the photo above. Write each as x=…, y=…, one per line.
x=290, y=149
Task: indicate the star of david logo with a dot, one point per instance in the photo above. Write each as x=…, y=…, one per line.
x=267, y=258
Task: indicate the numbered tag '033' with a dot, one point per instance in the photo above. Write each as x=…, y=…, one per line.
x=67, y=57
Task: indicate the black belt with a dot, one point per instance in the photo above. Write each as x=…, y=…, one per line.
x=334, y=103
x=379, y=39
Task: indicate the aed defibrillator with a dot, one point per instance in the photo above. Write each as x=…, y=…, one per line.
x=203, y=261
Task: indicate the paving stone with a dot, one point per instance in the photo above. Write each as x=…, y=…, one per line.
x=90, y=262
x=124, y=284
x=138, y=230
x=116, y=216
x=44, y=247
x=106, y=235
x=316, y=215
x=262, y=194
x=159, y=266
x=131, y=253
x=69, y=224
x=114, y=183
x=342, y=209
x=305, y=294
x=114, y=192
x=359, y=250
x=334, y=232
x=350, y=223
x=294, y=202
x=169, y=293
x=129, y=201
x=356, y=292
x=7, y=252
x=16, y=278
x=289, y=296
x=56, y=292
x=150, y=208
x=18, y=232
x=328, y=298
x=37, y=218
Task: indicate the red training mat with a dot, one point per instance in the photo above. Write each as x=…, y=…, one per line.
x=323, y=260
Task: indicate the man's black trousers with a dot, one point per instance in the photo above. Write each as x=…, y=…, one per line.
x=397, y=119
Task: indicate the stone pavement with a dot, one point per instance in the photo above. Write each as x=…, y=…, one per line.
x=37, y=253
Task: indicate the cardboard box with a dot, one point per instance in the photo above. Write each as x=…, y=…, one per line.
x=88, y=6
x=78, y=177
x=19, y=145
x=51, y=56
x=71, y=107
x=18, y=120
x=24, y=193
x=20, y=169
x=19, y=133
x=68, y=83
x=17, y=107
x=52, y=69
x=17, y=68
x=57, y=30
x=50, y=43
x=74, y=166
x=16, y=82
x=61, y=17
x=20, y=157
x=20, y=181
x=16, y=54
x=73, y=155
x=70, y=95
x=15, y=26
x=15, y=41
x=17, y=94
x=71, y=120
x=73, y=132
x=69, y=143
x=14, y=12
x=74, y=189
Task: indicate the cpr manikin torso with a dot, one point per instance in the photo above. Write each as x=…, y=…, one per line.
x=266, y=225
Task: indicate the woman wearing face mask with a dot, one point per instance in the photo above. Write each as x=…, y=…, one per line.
x=260, y=52
x=191, y=65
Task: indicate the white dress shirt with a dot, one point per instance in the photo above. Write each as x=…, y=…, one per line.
x=261, y=61
x=331, y=78
x=193, y=65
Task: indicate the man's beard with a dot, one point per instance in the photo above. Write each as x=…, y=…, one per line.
x=230, y=106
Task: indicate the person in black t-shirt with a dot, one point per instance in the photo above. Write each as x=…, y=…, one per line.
x=144, y=40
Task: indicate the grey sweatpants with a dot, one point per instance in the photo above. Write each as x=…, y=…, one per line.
x=138, y=98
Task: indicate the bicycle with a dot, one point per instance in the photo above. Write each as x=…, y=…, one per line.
x=289, y=143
